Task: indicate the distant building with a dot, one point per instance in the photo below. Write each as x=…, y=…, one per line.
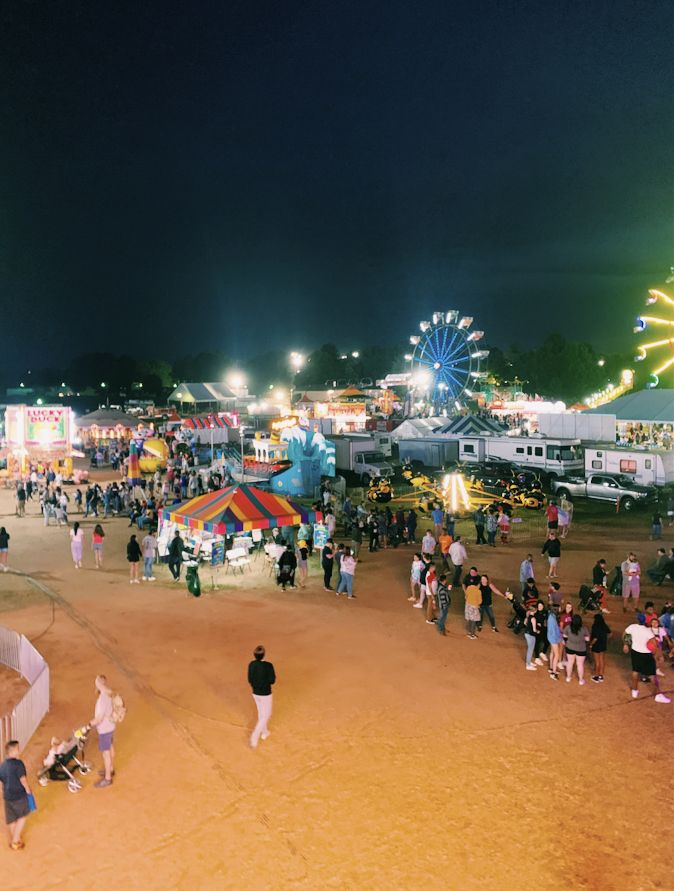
x=195, y=399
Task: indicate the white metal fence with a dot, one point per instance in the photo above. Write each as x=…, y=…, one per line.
x=17, y=652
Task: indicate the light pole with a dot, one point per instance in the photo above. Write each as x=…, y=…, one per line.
x=296, y=363
x=211, y=426
x=241, y=429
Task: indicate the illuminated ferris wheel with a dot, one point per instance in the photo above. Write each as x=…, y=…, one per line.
x=445, y=363
x=661, y=351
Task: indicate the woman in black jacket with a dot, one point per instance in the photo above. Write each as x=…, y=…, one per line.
x=133, y=555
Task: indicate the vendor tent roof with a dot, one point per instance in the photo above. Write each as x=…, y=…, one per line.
x=352, y=393
x=644, y=406
x=239, y=509
x=417, y=428
x=195, y=392
x=472, y=425
x=106, y=417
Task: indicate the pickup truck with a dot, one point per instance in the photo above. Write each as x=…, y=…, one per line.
x=604, y=487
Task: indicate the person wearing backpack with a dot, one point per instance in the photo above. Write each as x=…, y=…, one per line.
x=108, y=713
x=444, y=602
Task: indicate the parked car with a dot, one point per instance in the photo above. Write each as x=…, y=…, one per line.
x=604, y=487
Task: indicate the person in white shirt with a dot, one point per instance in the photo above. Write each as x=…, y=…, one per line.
x=640, y=642
x=428, y=543
x=631, y=572
x=105, y=726
x=347, y=568
x=458, y=556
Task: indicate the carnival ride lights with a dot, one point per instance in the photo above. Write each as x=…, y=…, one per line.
x=653, y=348
x=445, y=361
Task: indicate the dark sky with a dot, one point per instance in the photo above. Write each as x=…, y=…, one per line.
x=244, y=175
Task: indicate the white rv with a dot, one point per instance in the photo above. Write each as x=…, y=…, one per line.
x=555, y=457
x=650, y=467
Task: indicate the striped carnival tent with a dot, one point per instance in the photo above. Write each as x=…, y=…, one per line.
x=239, y=509
x=208, y=422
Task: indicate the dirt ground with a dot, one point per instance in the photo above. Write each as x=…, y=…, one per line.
x=397, y=759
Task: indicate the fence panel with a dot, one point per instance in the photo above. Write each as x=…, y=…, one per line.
x=28, y=714
x=10, y=648
x=18, y=653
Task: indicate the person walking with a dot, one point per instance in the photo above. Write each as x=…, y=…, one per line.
x=327, y=563
x=133, y=555
x=656, y=526
x=444, y=602
x=530, y=634
x=261, y=677
x=302, y=562
x=20, y=501
x=640, y=642
x=479, y=519
x=631, y=571
x=97, y=537
x=149, y=550
x=444, y=543
x=356, y=536
x=175, y=556
x=487, y=589
x=472, y=609
x=576, y=638
x=492, y=528
x=555, y=640
x=15, y=792
x=415, y=577
x=428, y=543
x=553, y=548
x=438, y=516
x=503, y=523
x=347, y=570
x=552, y=515
x=599, y=636
x=4, y=548
x=526, y=571
x=105, y=727
x=287, y=564
x=458, y=556
x=76, y=544
x=412, y=527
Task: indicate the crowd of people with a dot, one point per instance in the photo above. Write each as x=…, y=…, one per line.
x=558, y=636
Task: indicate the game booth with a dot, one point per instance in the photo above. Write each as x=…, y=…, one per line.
x=228, y=527
x=39, y=437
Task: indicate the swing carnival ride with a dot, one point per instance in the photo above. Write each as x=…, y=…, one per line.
x=445, y=361
x=661, y=350
x=456, y=493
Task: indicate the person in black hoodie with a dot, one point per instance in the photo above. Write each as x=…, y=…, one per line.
x=261, y=677
x=287, y=565
x=175, y=556
x=553, y=549
x=133, y=555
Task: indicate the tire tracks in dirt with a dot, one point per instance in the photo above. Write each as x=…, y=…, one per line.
x=156, y=701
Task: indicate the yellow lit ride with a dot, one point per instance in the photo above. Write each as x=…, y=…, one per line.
x=154, y=456
x=380, y=491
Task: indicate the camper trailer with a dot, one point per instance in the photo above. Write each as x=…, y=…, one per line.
x=554, y=457
x=429, y=451
x=650, y=467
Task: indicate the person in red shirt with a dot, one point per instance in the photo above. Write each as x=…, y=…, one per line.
x=552, y=514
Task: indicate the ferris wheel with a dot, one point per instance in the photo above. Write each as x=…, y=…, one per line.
x=445, y=362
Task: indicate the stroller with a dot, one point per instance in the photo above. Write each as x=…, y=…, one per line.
x=590, y=599
x=616, y=585
x=65, y=758
x=516, y=624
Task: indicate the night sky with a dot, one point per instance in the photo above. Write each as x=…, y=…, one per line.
x=246, y=175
